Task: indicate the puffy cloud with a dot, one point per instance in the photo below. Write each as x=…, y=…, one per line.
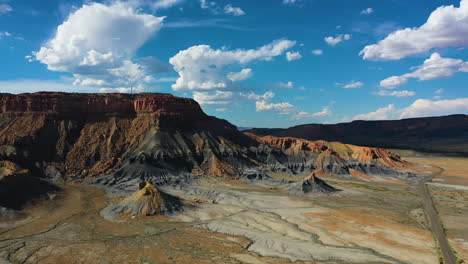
x=204, y=4
x=228, y=97
x=252, y=96
x=352, y=84
x=383, y=113
x=403, y=93
x=161, y=4
x=425, y=107
x=332, y=41
x=96, y=44
x=209, y=74
x=289, y=2
x=419, y=108
x=213, y=98
x=4, y=34
x=305, y=115
x=262, y=106
x=214, y=8
x=4, y=8
x=393, y=82
x=447, y=26
x=293, y=55
x=317, y=52
x=203, y=68
x=367, y=11
x=282, y=85
x=240, y=76
x=235, y=11
x=436, y=67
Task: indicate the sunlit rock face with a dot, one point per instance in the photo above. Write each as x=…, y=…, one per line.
x=119, y=140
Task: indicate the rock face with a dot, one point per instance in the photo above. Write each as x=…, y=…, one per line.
x=18, y=186
x=433, y=134
x=119, y=140
x=312, y=185
x=299, y=156
x=73, y=135
x=147, y=201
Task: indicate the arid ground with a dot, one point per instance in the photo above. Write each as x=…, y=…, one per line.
x=233, y=222
x=449, y=192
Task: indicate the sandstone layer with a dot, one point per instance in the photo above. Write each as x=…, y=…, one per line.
x=119, y=140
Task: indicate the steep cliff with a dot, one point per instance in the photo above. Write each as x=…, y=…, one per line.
x=119, y=140
x=73, y=135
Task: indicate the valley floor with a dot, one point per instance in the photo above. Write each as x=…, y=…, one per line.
x=449, y=192
x=232, y=222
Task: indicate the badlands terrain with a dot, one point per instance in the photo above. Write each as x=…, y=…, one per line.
x=150, y=178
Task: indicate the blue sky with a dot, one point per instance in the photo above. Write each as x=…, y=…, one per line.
x=266, y=63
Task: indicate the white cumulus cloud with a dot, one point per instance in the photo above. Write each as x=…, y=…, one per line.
x=333, y=41
x=436, y=67
x=283, y=85
x=235, y=11
x=353, y=84
x=305, y=115
x=290, y=2
x=317, y=52
x=447, y=26
x=426, y=107
x=213, y=98
x=383, y=113
x=403, y=93
x=419, y=108
x=4, y=34
x=256, y=97
x=293, y=55
x=4, y=8
x=240, y=76
x=367, y=11
x=96, y=44
x=204, y=68
x=161, y=4
x=262, y=106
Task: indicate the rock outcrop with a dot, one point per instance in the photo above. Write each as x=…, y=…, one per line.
x=312, y=185
x=18, y=187
x=299, y=156
x=147, y=201
x=88, y=135
x=118, y=140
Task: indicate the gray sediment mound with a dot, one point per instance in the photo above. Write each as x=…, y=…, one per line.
x=147, y=201
x=312, y=185
x=262, y=178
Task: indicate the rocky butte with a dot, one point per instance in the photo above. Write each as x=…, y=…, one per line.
x=118, y=140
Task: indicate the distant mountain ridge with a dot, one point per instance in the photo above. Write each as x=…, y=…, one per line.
x=445, y=134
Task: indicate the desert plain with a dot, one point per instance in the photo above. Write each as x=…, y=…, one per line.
x=368, y=221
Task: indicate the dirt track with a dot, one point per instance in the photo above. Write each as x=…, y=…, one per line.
x=436, y=226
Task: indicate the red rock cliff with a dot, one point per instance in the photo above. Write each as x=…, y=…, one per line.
x=83, y=104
